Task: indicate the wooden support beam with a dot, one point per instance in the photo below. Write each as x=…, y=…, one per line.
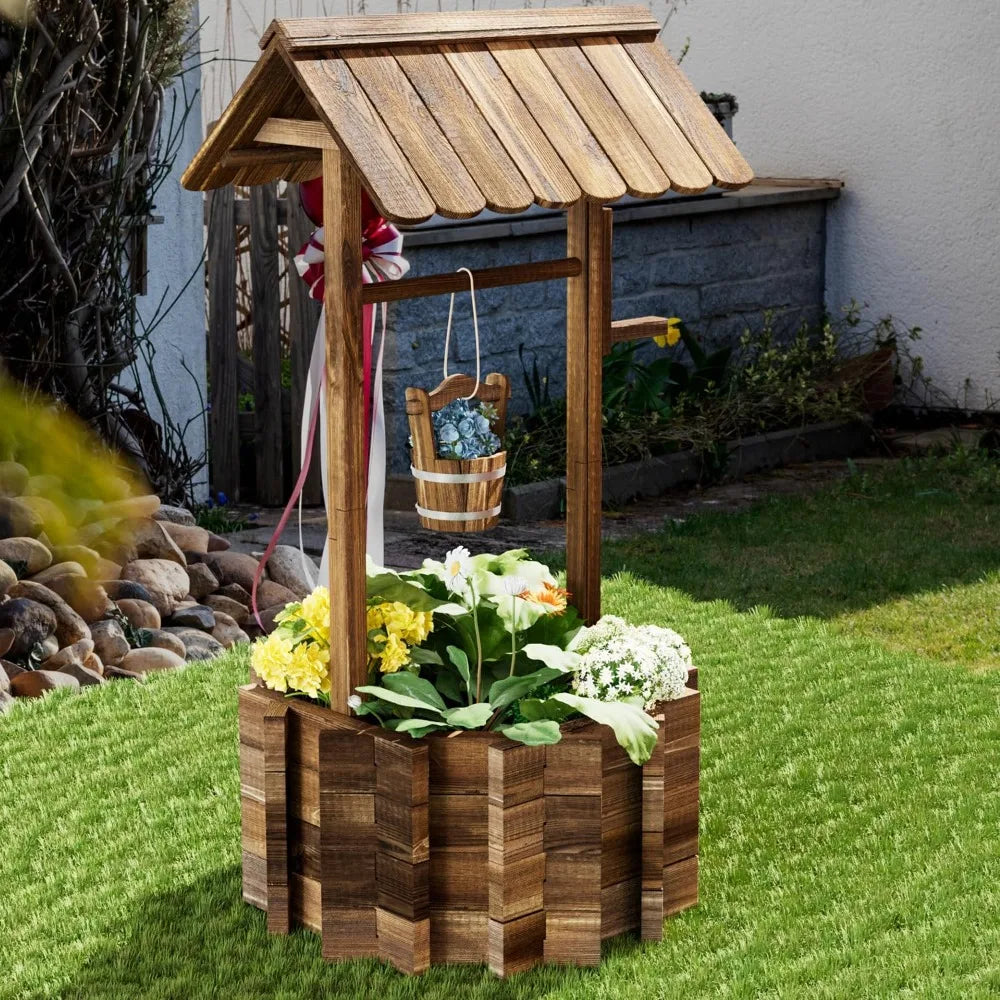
x=264, y=156
x=345, y=428
x=588, y=321
x=295, y=132
x=640, y=328
x=487, y=277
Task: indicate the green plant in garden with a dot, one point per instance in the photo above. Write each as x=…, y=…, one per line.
x=216, y=515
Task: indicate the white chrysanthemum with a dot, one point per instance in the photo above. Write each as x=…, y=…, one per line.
x=624, y=661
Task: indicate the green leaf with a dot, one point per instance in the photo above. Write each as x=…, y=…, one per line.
x=534, y=734
x=388, y=586
x=419, y=727
x=507, y=690
x=536, y=709
x=461, y=662
x=386, y=694
x=552, y=656
x=471, y=717
x=449, y=686
x=422, y=655
x=403, y=682
x=633, y=728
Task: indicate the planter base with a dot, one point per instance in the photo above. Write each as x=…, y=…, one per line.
x=466, y=847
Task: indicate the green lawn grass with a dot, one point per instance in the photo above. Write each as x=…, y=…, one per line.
x=850, y=812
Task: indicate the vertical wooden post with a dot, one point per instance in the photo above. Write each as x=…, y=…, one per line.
x=275, y=729
x=223, y=427
x=266, y=342
x=303, y=317
x=588, y=322
x=345, y=427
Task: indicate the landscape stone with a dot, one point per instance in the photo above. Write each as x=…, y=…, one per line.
x=197, y=645
x=70, y=627
x=17, y=519
x=6, y=640
x=117, y=589
x=188, y=537
x=141, y=614
x=131, y=507
x=106, y=569
x=13, y=479
x=47, y=647
x=110, y=643
x=193, y=616
x=35, y=683
x=201, y=581
x=216, y=543
x=232, y=567
x=270, y=593
x=69, y=654
x=11, y=669
x=165, y=640
x=285, y=567
x=86, y=597
x=227, y=632
x=267, y=617
x=26, y=551
x=93, y=662
x=151, y=541
x=175, y=515
x=30, y=621
x=7, y=579
x=236, y=592
x=118, y=674
x=166, y=581
x=83, y=675
x=221, y=604
x=59, y=569
x=7, y=701
x=4, y=680
x=51, y=516
x=141, y=661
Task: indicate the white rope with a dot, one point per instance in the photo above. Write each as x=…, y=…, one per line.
x=458, y=477
x=450, y=515
x=475, y=326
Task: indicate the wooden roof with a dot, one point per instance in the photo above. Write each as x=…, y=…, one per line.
x=452, y=113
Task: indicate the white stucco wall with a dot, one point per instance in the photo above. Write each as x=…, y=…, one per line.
x=176, y=272
x=897, y=97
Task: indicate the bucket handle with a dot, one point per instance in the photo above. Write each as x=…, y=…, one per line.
x=475, y=326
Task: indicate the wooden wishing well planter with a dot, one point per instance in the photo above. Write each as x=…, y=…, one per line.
x=466, y=847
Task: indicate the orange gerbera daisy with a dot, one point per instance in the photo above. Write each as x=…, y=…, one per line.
x=552, y=597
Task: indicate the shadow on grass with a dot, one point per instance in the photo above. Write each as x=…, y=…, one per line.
x=203, y=941
x=841, y=550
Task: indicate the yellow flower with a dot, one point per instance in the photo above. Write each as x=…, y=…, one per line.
x=672, y=335
x=316, y=612
x=394, y=654
x=270, y=658
x=553, y=598
x=308, y=669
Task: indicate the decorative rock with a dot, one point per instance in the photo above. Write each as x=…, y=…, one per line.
x=174, y=515
x=13, y=479
x=151, y=541
x=193, y=616
x=30, y=622
x=165, y=640
x=26, y=551
x=86, y=597
x=227, y=632
x=117, y=589
x=221, y=604
x=82, y=554
x=201, y=581
x=7, y=638
x=141, y=614
x=107, y=569
x=267, y=617
x=110, y=643
x=216, y=543
x=166, y=581
x=70, y=627
x=285, y=567
x=45, y=485
x=6, y=701
x=4, y=679
x=270, y=593
x=237, y=593
x=131, y=507
x=51, y=516
x=141, y=661
x=197, y=645
x=59, y=569
x=84, y=675
x=71, y=654
x=233, y=567
x=93, y=662
x=34, y=683
x=17, y=519
x=189, y=537
x=7, y=579
x=117, y=674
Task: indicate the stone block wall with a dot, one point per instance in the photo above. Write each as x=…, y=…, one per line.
x=718, y=264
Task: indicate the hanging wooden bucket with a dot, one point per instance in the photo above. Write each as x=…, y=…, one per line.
x=457, y=495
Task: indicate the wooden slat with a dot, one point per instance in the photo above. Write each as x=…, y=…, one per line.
x=489, y=164
x=458, y=936
x=487, y=277
x=304, y=34
x=341, y=103
x=652, y=843
x=580, y=151
x=295, y=132
x=499, y=103
x=639, y=328
x=675, y=154
x=266, y=316
x=345, y=428
x=426, y=148
x=728, y=167
x=304, y=313
x=276, y=818
x=587, y=321
x=223, y=349
x=643, y=176
x=257, y=156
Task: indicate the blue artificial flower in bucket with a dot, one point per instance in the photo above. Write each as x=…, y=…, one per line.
x=463, y=429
